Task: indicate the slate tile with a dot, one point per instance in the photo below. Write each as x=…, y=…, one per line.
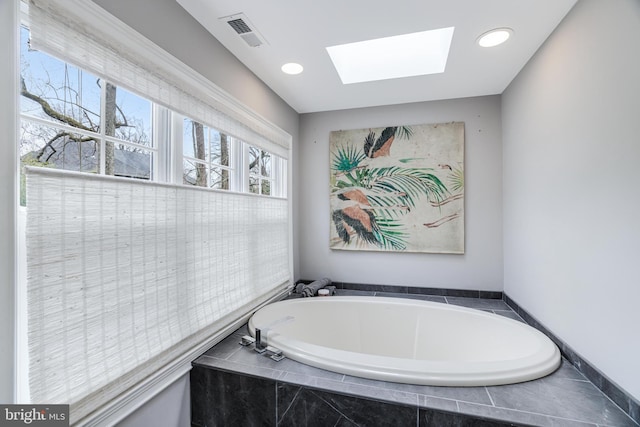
x=432, y=418
x=519, y=417
x=226, y=347
x=354, y=292
x=466, y=394
x=430, y=402
x=559, y=396
x=479, y=303
x=239, y=368
x=312, y=408
x=236, y=400
x=510, y=314
x=433, y=298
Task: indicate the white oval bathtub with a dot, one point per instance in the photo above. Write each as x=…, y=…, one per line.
x=406, y=341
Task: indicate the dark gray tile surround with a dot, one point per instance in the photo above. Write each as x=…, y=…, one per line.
x=237, y=386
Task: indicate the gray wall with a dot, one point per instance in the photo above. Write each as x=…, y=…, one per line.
x=169, y=408
x=481, y=265
x=572, y=186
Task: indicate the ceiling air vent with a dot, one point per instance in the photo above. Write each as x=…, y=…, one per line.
x=239, y=25
x=245, y=29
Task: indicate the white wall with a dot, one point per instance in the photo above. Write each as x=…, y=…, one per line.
x=572, y=186
x=480, y=268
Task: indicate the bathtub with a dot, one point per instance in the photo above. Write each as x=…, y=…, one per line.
x=406, y=341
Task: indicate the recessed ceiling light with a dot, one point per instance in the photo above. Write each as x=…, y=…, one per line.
x=292, y=68
x=495, y=37
x=393, y=57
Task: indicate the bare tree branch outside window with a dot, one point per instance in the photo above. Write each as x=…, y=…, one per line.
x=57, y=97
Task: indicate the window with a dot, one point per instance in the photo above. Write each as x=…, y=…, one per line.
x=267, y=172
x=206, y=156
x=74, y=120
x=260, y=171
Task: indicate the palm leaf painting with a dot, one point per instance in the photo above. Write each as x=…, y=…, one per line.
x=398, y=188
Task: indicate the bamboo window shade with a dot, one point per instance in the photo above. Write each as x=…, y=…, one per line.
x=125, y=275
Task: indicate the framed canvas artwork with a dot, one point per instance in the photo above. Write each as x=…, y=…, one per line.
x=398, y=189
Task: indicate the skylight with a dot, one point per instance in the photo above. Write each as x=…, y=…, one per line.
x=414, y=54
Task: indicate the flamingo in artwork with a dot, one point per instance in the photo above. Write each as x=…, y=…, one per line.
x=380, y=147
x=355, y=212
x=354, y=216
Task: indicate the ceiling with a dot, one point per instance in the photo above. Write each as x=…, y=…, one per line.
x=300, y=30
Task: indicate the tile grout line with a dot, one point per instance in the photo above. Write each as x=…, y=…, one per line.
x=275, y=385
x=334, y=408
x=233, y=353
x=290, y=403
x=490, y=398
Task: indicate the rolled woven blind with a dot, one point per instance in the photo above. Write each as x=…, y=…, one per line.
x=125, y=275
x=81, y=33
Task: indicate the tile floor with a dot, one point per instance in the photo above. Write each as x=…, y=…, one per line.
x=564, y=398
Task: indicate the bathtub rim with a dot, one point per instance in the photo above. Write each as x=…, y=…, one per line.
x=418, y=372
